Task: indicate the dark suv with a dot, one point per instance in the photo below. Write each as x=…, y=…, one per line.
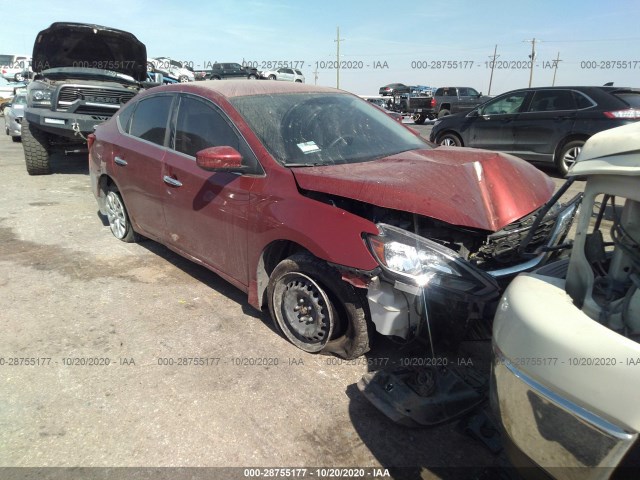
x=220, y=71
x=545, y=125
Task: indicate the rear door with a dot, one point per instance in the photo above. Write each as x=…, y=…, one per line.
x=467, y=99
x=493, y=128
x=207, y=212
x=549, y=118
x=138, y=161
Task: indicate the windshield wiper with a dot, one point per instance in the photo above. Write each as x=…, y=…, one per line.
x=317, y=164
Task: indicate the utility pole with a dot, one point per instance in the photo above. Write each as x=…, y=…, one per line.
x=337, y=40
x=493, y=64
x=315, y=76
x=555, y=69
x=533, y=59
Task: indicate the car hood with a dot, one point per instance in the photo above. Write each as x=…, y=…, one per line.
x=86, y=45
x=460, y=186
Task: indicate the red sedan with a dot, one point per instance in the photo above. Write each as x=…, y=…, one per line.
x=322, y=207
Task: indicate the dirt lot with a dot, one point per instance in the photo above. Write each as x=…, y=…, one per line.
x=71, y=292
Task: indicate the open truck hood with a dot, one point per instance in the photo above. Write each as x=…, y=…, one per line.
x=460, y=186
x=84, y=45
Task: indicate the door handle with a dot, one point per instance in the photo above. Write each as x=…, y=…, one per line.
x=120, y=161
x=171, y=181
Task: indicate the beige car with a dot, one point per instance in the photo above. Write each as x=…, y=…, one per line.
x=566, y=370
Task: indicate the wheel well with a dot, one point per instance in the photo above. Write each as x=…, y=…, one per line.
x=445, y=106
x=271, y=256
x=564, y=141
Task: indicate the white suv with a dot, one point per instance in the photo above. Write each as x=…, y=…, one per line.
x=288, y=74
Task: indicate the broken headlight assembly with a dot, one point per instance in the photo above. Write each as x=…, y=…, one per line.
x=418, y=261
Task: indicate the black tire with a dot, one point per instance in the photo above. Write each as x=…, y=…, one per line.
x=443, y=113
x=19, y=77
x=36, y=150
x=449, y=140
x=567, y=156
x=15, y=139
x=298, y=81
x=272, y=77
x=307, y=289
x=418, y=118
x=253, y=77
x=118, y=217
x=183, y=79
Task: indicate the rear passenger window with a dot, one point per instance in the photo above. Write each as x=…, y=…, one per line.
x=551, y=100
x=150, y=119
x=124, y=117
x=582, y=101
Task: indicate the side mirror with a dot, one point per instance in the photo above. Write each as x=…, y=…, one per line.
x=474, y=113
x=220, y=159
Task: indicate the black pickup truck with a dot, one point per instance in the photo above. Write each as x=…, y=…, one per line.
x=419, y=103
x=449, y=100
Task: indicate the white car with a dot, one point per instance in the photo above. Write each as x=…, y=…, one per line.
x=287, y=74
x=172, y=68
x=566, y=369
x=15, y=67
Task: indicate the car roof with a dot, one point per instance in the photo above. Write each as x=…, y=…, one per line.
x=242, y=88
x=578, y=87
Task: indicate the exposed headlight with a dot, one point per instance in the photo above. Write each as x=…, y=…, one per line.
x=422, y=261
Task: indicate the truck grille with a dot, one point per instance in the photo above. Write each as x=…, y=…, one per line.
x=70, y=94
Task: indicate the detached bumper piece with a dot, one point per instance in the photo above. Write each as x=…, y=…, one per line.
x=425, y=396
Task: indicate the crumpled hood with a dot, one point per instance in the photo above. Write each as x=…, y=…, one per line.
x=460, y=186
x=66, y=44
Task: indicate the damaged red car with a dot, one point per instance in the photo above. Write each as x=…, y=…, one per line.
x=323, y=208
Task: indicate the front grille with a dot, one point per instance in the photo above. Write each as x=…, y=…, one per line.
x=501, y=248
x=95, y=110
x=69, y=94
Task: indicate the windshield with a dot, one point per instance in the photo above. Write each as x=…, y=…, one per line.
x=631, y=97
x=324, y=129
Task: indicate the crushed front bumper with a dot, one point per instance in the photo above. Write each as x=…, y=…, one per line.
x=401, y=309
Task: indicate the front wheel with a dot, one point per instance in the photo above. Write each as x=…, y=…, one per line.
x=36, y=149
x=450, y=140
x=315, y=309
x=568, y=155
x=272, y=77
x=119, y=222
x=253, y=77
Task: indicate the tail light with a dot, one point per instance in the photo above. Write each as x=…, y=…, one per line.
x=630, y=114
x=90, y=139
x=433, y=102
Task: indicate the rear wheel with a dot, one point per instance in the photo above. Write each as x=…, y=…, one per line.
x=443, y=113
x=36, y=150
x=272, y=77
x=418, y=118
x=253, y=77
x=19, y=77
x=315, y=309
x=567, y=156
x=118, y=217
x=450, y=140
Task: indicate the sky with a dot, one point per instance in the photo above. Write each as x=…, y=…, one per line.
x=447, y=43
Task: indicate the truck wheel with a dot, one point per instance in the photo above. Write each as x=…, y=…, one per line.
x=418, y=118
x=567, y=156
x=183, y=79
x=449, y=140
x=443, y=113
x=253, y=76
x=36, y=150
x=315, y=309
x=119, y=222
